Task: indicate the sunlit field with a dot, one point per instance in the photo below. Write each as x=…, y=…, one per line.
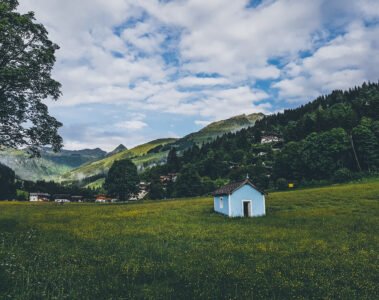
x=313, y=244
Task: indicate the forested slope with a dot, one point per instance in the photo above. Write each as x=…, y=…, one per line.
x=331, y=138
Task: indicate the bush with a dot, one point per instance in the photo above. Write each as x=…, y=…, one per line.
x=342, y=175
x=22, y=195
x=281, y=184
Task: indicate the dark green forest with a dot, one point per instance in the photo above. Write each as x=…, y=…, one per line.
x=10, y=184
x=7, y=182
x=334, y=138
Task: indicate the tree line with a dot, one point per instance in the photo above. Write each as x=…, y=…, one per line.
x=332, y=138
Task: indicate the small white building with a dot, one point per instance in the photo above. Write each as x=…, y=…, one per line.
x=39, y=197
x=271, y=139
x=240, y=199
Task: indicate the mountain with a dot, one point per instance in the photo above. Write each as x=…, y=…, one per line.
x=140, y=155
x=333, y=138
x=118, y=149
x=92, y=163
x=218, y=129
x=155, y=152
x=50, y=164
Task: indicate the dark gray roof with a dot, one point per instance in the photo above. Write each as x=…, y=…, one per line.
x=40, y=194
x=231, y=187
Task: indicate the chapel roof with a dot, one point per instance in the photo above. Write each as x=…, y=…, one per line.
x=231, y=187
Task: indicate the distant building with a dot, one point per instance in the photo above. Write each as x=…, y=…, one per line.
x=267, y=139
x=62, y=197
x=103, y=199
x=174, y=176
x=171, y=177
x=62, y=201
x=143, y=191
x=77, y=198
x=140, y=196
x=240, y=199
x=39, y=197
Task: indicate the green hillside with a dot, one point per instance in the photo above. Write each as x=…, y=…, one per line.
x=139, y=155
x=217, y=129
x=155, y=152
x=49, y=165
x=313, y=244
x=334, y=138
x=118, y=149
x=97, y=184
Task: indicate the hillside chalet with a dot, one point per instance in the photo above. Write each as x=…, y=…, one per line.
x=267, y=139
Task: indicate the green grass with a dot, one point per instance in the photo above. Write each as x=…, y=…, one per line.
x=313, y=244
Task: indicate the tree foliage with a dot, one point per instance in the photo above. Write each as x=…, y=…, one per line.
x=189, y=183
x=7, y=183
x=337, y=132
x=122, y=180
x=27, y=57
x=52, y=188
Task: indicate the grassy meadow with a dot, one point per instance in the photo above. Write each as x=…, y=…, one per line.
x=313, y=244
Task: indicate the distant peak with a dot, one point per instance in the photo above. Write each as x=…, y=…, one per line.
x=121, y=147
x=118, y=149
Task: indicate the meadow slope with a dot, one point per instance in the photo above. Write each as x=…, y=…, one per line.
x=313, y=244
x=138, y=154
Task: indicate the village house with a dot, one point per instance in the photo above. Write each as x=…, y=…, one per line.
x=267, y=139
x=143, y=190
x=103, y=199
x=62, y=198
x=240, y=199
x=171, y=177
x=77, y=198
x=39, y=197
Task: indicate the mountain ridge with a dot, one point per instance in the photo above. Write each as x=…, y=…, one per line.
x=72, y=165
x=155, y=152
x=50, y=165
x=116, y=150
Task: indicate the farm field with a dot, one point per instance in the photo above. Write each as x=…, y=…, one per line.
x=313, y=244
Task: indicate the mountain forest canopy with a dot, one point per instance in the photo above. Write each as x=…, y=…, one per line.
x=331, y=138
x=27, y=57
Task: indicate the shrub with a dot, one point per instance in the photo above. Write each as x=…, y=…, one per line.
x=342, y=175
x=281, y=184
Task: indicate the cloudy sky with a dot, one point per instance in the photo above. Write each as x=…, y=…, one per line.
x=135, y=70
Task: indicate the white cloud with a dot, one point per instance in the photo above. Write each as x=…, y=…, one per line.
x=344, y=62
x=192, y=81
x=217, y=37
x=224, y=37
x=117, y=52
x=132, y=125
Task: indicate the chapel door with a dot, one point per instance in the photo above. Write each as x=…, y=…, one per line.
x=246, y=209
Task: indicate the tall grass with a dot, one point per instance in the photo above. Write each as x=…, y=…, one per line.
x=313, y=244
